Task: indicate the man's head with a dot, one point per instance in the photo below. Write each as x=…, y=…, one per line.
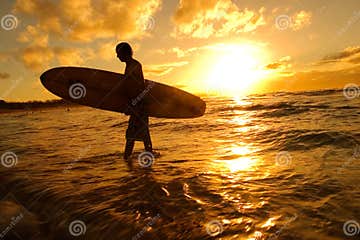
x=124, y=51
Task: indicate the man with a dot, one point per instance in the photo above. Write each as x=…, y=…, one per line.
x=134, y=83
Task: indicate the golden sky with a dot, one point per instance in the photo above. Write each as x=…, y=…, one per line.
x=203, y=46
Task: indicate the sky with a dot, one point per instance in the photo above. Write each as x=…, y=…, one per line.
x=223, y=47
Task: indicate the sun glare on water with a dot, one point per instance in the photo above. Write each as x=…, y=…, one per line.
x=235, y=70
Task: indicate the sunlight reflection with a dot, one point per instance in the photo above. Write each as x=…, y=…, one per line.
x=240, y=164
x=237, y=158
x=257, y=236
x=241, y=121
x=240, y=101
x=236, y=165
x=269, y=223
x=242, y=150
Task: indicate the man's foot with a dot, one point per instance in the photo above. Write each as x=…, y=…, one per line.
x=129, y=162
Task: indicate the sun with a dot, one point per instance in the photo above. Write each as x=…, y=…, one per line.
x=235, y=70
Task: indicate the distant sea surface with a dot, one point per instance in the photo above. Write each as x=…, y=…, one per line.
x=272, y=166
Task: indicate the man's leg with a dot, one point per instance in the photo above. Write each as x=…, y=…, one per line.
x=128, y=149
x=147, y=143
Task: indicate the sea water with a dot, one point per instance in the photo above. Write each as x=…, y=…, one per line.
x=271, y=166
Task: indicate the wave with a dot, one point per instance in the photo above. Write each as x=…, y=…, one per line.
x=317, y=92
x=306, y=140
x=284, y=112
x=123, y=123
x=320, y=92
x=274, y=106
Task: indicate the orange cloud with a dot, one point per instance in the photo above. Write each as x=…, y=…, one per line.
x=355, y=60
x=162, y=69
x=348, y=55
x=4, y=75
x=282, y=64
x=295, y=22
x=83, y=21
x=36, y=57
x=106, y=51
x=315, y=80
x=180, y=53
x=33, y=36
x=202, y=19
x=183, y=52
x=300, y=20
x=88, y=20
x=67, y=56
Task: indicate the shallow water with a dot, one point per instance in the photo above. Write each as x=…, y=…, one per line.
x=275, y=166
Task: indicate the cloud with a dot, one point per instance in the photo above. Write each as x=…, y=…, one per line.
x=202, y=19
x=37, y=54
x=274, y=65
x=315, y=80
x=355, y=60
x=282, y=64
x=106, y=51
x=349, y=54
x=68, y=56
x=301, y=20
x=88, y=20
x=163, y=69
x=37, y=57
x=180, y=53
x=294, y=22
x=83, y=21
x=33, y=36
x=4, y=75
x=217, y=47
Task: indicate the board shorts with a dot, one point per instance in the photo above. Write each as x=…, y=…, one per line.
x=138, y=127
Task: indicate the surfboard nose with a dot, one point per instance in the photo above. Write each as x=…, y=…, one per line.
x=50, y=75
x=43, y=77
x=201, y=110
x=47, y=76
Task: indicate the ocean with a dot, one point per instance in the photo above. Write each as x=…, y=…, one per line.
x=271, y=166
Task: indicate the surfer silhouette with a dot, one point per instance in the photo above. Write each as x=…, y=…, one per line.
x=134, y=83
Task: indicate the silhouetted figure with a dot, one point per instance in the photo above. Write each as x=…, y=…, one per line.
x=134, y=83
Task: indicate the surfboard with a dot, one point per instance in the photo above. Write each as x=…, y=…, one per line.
x=105, y=90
